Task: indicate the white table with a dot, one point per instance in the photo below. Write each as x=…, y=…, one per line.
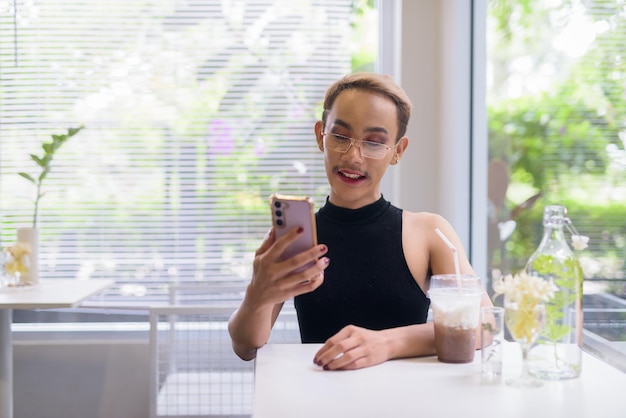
x=46, y=295
x=288, y=384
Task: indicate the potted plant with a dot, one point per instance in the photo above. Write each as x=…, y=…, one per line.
x=29, y=237
x=49, y=150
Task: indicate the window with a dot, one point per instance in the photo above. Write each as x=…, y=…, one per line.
x=557, y=135
x=193, y=113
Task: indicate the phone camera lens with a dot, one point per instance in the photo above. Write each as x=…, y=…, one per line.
x=279, y=213
x=279, y=222
x=277, y=204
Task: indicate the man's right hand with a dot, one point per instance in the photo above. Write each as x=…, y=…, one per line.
x=275, y=280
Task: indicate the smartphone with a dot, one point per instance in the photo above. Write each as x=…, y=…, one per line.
x=289, y=212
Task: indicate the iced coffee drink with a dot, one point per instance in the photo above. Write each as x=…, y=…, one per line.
x=455, y=305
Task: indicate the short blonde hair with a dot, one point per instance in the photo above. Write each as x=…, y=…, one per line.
x=377, y=83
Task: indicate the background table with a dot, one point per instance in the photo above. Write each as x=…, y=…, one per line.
x=288, y=384
x=46, y=295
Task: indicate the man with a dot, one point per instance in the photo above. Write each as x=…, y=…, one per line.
x=365, y=295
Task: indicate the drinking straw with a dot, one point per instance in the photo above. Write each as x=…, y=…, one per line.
x=455, y=254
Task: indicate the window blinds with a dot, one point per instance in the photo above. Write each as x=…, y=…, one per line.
x=194, y=113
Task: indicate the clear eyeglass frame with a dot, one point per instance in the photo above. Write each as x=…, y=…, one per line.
x=369, y=149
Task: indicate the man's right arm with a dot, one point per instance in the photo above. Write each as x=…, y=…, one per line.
x=273, y=282
x=250, y=327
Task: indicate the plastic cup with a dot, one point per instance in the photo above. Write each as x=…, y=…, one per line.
x=456, y=313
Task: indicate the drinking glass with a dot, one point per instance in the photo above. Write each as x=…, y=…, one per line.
x=524, y=321
x=491, y=341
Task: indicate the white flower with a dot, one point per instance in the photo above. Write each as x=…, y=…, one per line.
x=524, y=286
x=580, y=242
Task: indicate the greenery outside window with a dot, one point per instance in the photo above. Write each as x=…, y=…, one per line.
x=557, y=135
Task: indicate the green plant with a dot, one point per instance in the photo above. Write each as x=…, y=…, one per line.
x=568, y=276
x=49, y=149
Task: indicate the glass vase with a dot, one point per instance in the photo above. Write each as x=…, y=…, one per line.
x=524, y=321
x=558, y=352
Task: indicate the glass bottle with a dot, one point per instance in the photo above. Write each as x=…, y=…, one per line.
x=558, y=352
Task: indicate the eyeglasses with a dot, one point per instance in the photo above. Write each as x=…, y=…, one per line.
x=342, y=143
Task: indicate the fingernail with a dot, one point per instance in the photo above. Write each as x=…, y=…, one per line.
x=322, y=248
x=326, y=367
x=300, y=230
x=326, y=260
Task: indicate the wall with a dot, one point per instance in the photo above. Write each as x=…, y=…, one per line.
x=81, y=379
x=435, y=71
x=441, y=69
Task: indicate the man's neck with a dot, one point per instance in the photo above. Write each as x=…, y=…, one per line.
x=353, y=204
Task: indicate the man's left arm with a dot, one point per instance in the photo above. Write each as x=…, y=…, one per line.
x=355, y=347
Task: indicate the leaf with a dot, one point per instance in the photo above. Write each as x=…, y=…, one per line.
x=27, y=177
x=48, y=148
x=569, y=283
x=38, y=160
x=73, y=131
x=45, y=161
x=555, y=332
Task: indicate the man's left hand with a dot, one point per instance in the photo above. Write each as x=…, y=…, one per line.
x=353, y=348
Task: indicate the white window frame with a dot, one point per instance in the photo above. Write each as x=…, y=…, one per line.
x=444, y=169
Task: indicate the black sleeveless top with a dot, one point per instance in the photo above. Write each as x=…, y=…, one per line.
x=368, y=282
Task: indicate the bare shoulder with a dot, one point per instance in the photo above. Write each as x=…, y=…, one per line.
x=418, y=239
x=419, y=235
x=423, y=220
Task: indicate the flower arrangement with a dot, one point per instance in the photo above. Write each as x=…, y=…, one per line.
x=16, y=261
x=523, y=295
x=49, y=149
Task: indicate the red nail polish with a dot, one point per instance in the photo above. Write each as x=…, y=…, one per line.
x=300, y=230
